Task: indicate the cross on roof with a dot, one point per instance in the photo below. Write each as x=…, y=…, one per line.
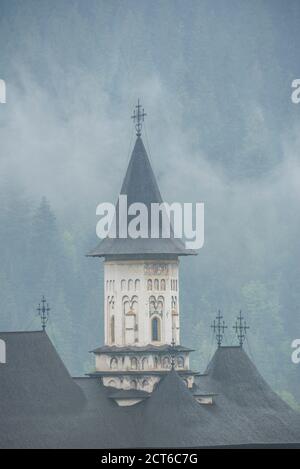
x=173, y=353
x=240, y=328
x=43, y=312
x=219, y=327
x=138, y=118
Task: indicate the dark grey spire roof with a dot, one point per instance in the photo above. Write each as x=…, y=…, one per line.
x=256, y=414
x=34, y=379
x=41, y=406
x=140, y=186
x=173, y=418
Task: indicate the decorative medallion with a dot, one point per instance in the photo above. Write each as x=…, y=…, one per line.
x=156, y=269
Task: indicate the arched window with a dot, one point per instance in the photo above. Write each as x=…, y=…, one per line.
x=137, y=285
x=123, y=285
x=130, y=285
x=156, y=284
x=152, y=304
x=155, y=329
x=160, y=304
x=145, y=383
x=145, y=363
x=180, y=362
x=133, y=363
x=149, y=284
x=112, y=329
x=163, y=284
x=133, y=384
x=166, y=362
x=113, y=363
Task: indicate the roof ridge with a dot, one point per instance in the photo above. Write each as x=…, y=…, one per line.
x=23, y=332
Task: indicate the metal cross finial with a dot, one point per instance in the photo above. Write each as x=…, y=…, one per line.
x=173, y=343
x=240, y=328
x=138, y=118
x=219, y=328
x=43, y=312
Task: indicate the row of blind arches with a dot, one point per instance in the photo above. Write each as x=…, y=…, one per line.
x=143, y=364
x=134, y=285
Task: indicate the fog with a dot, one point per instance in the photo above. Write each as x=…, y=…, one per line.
x=215, y=81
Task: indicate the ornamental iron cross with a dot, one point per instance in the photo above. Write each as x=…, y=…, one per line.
x=138, y=118
x=240, y=328
x=219, y=327
x=43, y=312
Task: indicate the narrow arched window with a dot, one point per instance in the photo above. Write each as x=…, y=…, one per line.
x=149, y=284
x=145, y=383
x=137, y=285
x=166, y=362
x=134, y=363
x=145, y=363
x=155, y=330
x=112, y=329
x=133, y=384
x=180, y=362
x=113, y=363
x=123, y=284
x=130, y=285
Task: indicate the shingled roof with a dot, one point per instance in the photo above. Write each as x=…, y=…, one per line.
x=34, y=379
x=256, y=414
x=140, y=186
x=41, y=406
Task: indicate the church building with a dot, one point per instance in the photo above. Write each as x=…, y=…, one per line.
x=142, y=392
x=141, y=292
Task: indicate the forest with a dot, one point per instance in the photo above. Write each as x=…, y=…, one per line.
x=221, y=128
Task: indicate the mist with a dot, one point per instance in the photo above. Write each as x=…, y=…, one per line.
x=215, y=80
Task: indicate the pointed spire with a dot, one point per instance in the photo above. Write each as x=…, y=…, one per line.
x=140, y=186
x=138, y=118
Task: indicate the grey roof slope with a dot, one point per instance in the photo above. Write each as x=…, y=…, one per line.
x=173, y=418
x=140, y=186
x=34, y=379
x=256, y=414
x=41, y=406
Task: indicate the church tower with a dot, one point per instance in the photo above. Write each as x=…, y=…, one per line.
x=141, y=292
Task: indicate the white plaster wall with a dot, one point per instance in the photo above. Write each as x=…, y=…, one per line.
x=117, y=271
x=144, y=362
